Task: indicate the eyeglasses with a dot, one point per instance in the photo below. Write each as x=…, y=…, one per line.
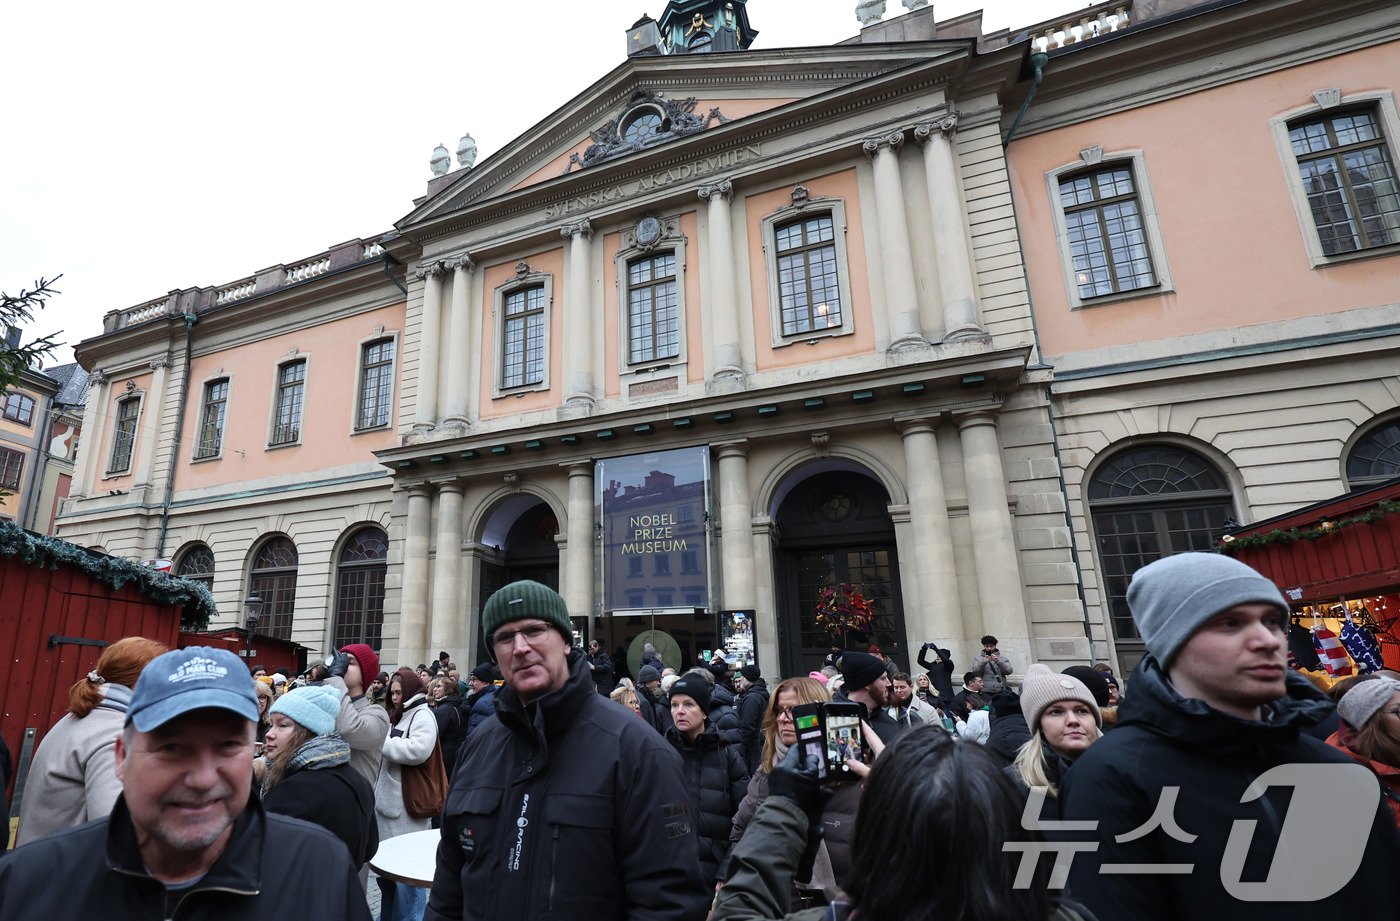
x=533, y=634
x=783, y=713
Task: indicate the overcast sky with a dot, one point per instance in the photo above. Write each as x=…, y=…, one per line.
x=153, y=146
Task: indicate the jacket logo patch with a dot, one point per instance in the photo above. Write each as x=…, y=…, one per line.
x=468, y=845
x=521, y=823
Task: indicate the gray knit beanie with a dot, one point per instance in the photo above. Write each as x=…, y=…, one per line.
x=1365, y=699
x=1174, y=597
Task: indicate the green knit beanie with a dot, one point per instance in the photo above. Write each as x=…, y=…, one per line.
x=524, y=600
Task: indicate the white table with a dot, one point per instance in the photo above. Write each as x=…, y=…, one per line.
x=409, y=858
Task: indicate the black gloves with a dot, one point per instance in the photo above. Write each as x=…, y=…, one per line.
x=338, y=663
x=798, y=782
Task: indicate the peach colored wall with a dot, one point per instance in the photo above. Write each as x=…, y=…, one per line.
x=549, y=262
x=842, y=185
x=1232, y=238
x=332, y=351
x=613, y=309
x=732, y=109
x=32, y=430
x=145, y=426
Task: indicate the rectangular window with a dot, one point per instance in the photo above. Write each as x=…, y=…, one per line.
x=1107, y=240
x=653, y=328
x=11, y=466
x=291, y=392
x=376, y=384
x=522, y=335
x=809, y=292
x=211, y=420
x=124, y=438
x=1349, y=179
x=19, y=408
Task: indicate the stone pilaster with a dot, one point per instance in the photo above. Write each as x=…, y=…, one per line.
x=579, y=375
x=896, y=255
x=936, y=617
x=429, y=347
x=413, y=613
x=150, y=425
x=89, y=459
x=956, y=285
x=463, y=362
x=448, y=619
x=736, y=527
x=726, y=360
x=578, y=551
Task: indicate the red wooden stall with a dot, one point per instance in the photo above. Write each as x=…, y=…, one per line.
x=1344, y=550
x=270, y=652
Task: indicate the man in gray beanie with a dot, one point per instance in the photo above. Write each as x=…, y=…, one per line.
x=1214, y=708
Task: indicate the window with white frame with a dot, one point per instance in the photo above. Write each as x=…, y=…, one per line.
x=211, y=420
x=808, y=290
x=523, y=337
x=19, y=408
x=290, y=399
x=124, y=435
x=1349, y=179
x=653, y=327
x=376, y=384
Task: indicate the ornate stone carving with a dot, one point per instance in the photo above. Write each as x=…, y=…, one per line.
x=512, y=481
x=464, y=261
x=97, y=377
x=434, y=269
x=870, y=12
x=915, y=4
x=724, y=189
x=717, y=115
x=892, y=141
x=677, y=119
x=578, y=228
x=821, y=443
x=1092, y=155
x=522, y=269
x=160, y=361
x=650, y=232
x=800, y=194
x=1328, y=98
x=944, y=127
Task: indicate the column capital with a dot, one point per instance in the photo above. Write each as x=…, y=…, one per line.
x=975, y=418
x=891, y=142
x=420, y=491
x=462, y=262
x=917, y=425
x=943, y=127
x=434, y=269
x=722, y=190
x=737, y=448
x=579, y=467
x=453, y=485
x=577, y=229
x=97, y=377
x=161, y=361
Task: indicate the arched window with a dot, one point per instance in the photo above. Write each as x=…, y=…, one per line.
x=1149, y=502
x=274, y=580
x=359, y=589
x=197, y=565
x=1376, y=457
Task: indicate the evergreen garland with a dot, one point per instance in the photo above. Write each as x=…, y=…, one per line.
x=113, y=572
x=1292, y=535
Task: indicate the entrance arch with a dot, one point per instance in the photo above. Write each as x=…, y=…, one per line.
x=518, y=538
x=834, y=526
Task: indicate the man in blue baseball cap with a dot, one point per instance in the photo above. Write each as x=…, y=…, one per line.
x=187, y=838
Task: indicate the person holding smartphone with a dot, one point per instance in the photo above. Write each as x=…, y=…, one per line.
x=992, y=667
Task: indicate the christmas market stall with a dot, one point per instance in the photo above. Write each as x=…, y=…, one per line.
x=1338, y=564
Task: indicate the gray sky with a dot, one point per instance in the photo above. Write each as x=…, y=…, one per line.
x=160, y=145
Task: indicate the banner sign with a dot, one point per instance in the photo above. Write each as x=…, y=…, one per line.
x=653, y=509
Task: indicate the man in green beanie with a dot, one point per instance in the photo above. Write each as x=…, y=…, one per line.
x=563, y=804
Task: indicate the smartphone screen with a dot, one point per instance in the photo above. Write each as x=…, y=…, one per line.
x=843, y=739
x=807, y=719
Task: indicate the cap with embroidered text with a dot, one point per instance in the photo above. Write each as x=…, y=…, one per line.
x=194, y=678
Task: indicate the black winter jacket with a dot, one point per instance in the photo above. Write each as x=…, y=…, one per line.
x=568, y=808
x=452, y=726
x=336, y=798
x=272, y=865
x=940, y=674
x=753, y=706
x=1164, y=740
x=655, y=710
x=602, y=672
x=723, y=716
x=716, y=781
x=1009, y=730
x=481, y=706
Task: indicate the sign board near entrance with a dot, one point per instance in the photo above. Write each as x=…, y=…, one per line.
x=653, y=509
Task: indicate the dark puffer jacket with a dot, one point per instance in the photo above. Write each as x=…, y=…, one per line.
x=452, y=726
x=716, y=781
x=753, y=706
x=724, y=717
x=336, y=798
x=481, y=706
x=568, y=808
x=1009, y=730
x=1165, y=741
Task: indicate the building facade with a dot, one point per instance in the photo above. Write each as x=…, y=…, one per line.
x=1210, y=218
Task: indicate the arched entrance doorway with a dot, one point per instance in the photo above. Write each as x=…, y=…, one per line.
x=519, y=541
x=835, y=527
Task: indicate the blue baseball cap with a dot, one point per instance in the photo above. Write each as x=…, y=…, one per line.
x=194, y=678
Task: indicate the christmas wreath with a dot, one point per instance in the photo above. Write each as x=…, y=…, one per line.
x=843, y=609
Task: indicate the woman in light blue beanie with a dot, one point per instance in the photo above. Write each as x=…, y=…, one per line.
x=308, y=774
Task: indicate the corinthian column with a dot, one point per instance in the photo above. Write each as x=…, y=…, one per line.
x=449, y=618
x=896, y=257
x=956, y=286
x=461, y=363
x=719, y=279
x=578, y=560
x=938, y=618
x=736, y=527
x=993, y=537
x=413, y=603
x=578, y=318
x=429, y=340
x=152, y=415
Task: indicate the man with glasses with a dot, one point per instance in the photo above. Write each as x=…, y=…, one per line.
x=186, y=839
x=564, y=804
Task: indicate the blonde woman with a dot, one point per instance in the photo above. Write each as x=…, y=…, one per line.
x=1064, y=720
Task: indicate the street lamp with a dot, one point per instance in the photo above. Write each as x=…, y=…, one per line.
x=252, y=612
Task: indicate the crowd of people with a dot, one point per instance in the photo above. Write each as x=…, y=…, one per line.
x=568, y=789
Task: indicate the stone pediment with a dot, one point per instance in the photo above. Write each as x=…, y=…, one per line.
x=648, y=103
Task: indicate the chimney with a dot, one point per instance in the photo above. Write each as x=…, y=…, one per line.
x=644, y=38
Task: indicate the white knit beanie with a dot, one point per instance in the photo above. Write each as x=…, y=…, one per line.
x=1041, y=687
